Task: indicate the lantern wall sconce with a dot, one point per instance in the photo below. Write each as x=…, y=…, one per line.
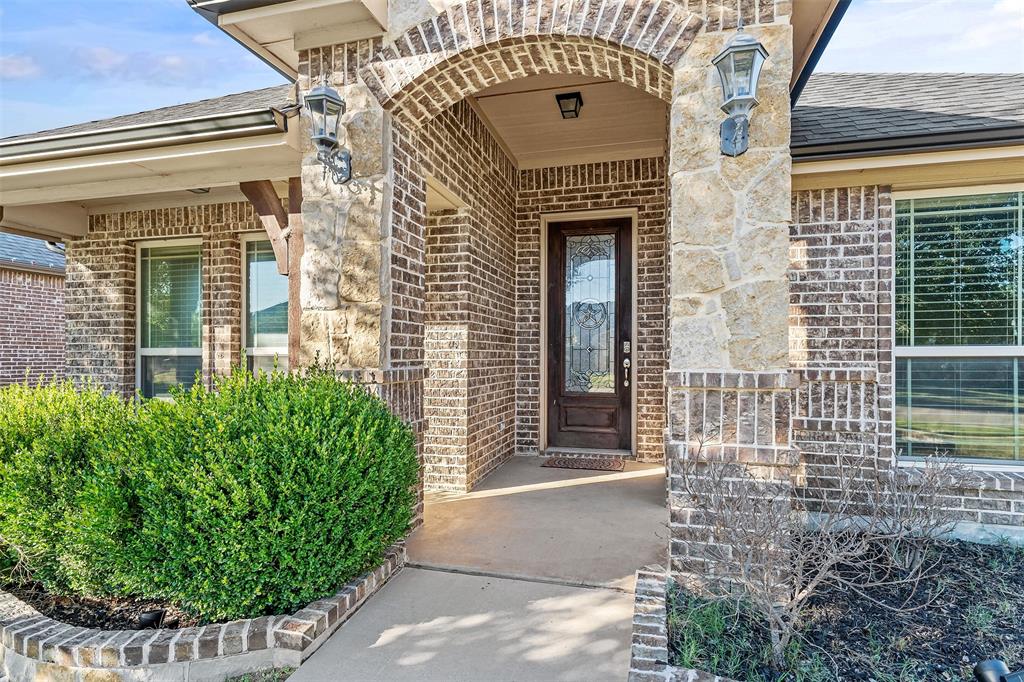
x=739, y=68
x=569, y=104
x=326, y=108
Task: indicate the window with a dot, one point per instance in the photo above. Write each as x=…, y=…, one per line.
x=170, y=312
x=960, y=327
x=266, y=309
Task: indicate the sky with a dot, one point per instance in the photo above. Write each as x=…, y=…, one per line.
x=69, y=61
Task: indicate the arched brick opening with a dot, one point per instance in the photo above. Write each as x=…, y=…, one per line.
x=479, y=43
x=422, y=80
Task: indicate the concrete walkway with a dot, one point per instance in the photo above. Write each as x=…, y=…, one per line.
x=432, y=626
x=526, y=579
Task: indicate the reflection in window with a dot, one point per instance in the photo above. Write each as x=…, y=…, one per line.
x=960, y=326
x=170, y=322
x=266, y=314
x=959, y=407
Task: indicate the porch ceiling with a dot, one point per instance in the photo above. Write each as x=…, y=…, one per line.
x=616, y=122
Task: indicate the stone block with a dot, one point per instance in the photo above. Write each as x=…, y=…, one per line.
x=703, y=209
x=360, y=272
x=696, y=271
x=757, y=319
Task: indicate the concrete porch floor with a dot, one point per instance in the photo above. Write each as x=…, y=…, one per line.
x=566, y=525
x=526, y=579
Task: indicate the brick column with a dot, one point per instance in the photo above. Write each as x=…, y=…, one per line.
x=446, y=390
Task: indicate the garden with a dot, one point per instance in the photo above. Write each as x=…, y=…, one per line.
x=862, y=582
x=254, y=497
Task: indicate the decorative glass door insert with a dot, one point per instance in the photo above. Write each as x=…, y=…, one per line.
x=590, y=313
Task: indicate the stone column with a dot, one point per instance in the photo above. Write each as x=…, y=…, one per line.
x=342, y=290
x=727, y=383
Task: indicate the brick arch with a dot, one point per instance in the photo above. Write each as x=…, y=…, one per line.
x=478, y=43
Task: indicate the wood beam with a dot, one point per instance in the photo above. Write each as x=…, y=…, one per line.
x=263, y=197
x=296, y=246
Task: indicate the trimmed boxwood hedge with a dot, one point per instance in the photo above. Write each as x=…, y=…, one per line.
x=256, y=497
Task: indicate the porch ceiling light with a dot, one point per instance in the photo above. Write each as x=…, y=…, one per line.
x=569, y=104
x=739, y=68
x=326, y=107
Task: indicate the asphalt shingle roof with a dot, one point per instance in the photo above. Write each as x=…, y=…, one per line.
x=837, y=108
x=276, y=96
x=17, y=250
x=834, y=108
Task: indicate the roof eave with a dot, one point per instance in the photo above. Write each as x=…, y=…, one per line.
x=211, y=11
x=8, y=264
x=221, y=126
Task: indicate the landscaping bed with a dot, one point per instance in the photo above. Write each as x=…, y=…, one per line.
x=969, y=610
x=259, y=513
x=103, y=613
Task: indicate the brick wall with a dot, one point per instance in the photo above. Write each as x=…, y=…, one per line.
x=841, y=316
x=31, y=325
x=636, y=184
x=470, y=319
x=101, y=287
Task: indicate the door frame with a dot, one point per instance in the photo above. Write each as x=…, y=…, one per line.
x=632, y=213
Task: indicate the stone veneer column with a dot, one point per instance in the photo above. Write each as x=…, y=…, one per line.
x=343, y=228
x=728, y=381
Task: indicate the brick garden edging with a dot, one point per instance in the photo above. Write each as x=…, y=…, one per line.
x=34, y=647
x=648, y=659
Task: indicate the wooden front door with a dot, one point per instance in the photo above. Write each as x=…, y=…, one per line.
x=589, y=349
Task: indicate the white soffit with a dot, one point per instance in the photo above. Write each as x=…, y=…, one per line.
x=149, y=171
x=616, y=122
x=277, y=32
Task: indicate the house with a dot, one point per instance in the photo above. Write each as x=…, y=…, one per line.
x=32, y=326
x=514, y=280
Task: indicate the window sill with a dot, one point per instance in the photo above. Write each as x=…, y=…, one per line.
x=983, y=476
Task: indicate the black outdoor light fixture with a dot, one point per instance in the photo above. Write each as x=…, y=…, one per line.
x=326, y=107
x=569, y=104
x=994, y=670
x=739, y=68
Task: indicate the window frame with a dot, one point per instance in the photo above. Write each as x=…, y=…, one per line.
x=141, y=352
x=267, y=351
x=952, y=352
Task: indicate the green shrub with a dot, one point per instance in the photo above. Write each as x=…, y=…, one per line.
x=257, y=497
x=50, y=438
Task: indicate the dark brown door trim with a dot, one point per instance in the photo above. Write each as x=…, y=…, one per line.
x=578, y=419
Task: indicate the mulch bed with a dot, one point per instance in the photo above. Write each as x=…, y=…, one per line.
x=971, y=610
x=976, y=612
x=87, y=612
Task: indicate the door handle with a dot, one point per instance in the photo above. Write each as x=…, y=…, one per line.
x=625, y=370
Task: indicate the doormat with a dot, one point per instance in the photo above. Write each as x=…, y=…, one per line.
x=592, y=463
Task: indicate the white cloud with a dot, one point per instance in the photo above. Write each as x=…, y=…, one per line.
x=102, y=61
x=1003, y=22
x=922, y=35
x=15, y=67
x=204, y=39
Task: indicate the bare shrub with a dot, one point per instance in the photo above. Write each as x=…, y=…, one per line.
x=774, y=544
